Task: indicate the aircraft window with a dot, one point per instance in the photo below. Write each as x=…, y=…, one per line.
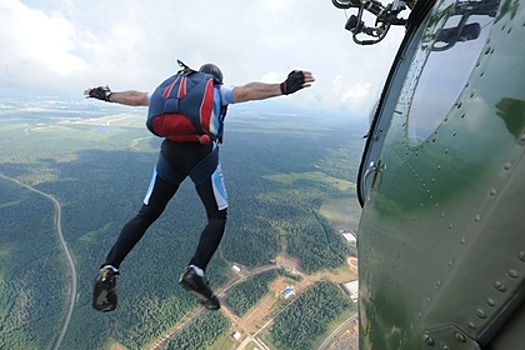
x=449, y=49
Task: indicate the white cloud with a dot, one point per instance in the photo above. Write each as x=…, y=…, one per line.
x=350, y=91
x=271, y=77
x=36, y=42
x=273, y=5
x=72, y=44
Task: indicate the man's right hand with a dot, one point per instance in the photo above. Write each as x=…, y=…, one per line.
x=101, y=93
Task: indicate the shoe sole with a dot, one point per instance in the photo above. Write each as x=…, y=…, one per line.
x=211, y=303
x=101, y=302
x=102, y=296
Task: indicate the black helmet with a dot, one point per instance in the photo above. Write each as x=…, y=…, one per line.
x=210, y=68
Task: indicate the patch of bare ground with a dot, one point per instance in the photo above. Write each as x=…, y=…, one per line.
x=259, y=316
x=256, y=318
x=278, y=285
x=289, y=262
x=117, y=346
x=348, y=340
x=352, y=263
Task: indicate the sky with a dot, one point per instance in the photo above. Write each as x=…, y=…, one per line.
x=66, y=46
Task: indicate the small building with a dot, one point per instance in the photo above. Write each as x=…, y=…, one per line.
x=288, y=291
x=352, y=289
x=350, y=237
x=236, y=268
x=236, y=335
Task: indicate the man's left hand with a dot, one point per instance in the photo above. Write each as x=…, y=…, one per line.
x=297, y=80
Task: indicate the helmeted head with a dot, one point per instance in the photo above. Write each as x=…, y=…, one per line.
x=210, y=68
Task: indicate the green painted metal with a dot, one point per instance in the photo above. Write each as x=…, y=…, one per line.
x=442, y=234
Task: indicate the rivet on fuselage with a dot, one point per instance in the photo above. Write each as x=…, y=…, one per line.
x=481, y=314
x=500, y=286
x=428, y=340
x=521, y=256
x=494, y=192
x=491, y=302
x=477, y=218
x=508, y=166
x=513, y=274
x=460, y=337
x=463, y=240
x=471, y=325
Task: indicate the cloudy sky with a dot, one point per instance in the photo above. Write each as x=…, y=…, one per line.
x=65, y=46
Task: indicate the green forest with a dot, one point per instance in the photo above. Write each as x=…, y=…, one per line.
x=96, y=160
x=293, y=328
x=244, y=296
x=193, y=337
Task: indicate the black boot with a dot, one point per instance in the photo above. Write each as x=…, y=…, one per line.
x=199, y=287
x=104, y=289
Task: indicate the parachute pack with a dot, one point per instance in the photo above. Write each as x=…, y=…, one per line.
x=181, y=108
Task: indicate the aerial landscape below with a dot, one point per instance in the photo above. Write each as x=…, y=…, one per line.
x=284, y=272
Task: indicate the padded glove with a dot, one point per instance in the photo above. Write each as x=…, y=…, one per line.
x=102, y=93
x=293, y=83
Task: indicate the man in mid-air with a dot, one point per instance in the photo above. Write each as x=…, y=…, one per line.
x=190, y=119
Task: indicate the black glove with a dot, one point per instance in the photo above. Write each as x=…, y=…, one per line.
x=293, y=83
x=101, y=93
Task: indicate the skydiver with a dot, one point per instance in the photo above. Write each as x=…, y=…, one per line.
x=177, y=160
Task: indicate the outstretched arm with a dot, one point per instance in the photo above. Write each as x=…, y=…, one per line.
x=128, y=98
x=296, y=81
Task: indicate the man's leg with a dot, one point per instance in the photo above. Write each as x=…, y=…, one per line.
x=104, y=289
x=213, y=195
x=158, y=196
x=213, y=232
